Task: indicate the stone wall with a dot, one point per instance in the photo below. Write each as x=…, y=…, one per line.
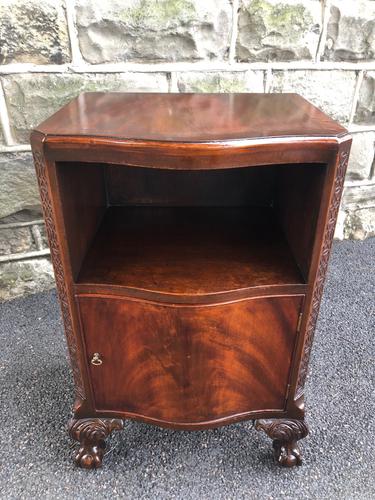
x=52, y=50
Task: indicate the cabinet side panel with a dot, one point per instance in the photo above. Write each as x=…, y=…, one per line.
x=83, y=199
x=328, y=217
x=58, y=265
x=299, y=194
x=189, y=364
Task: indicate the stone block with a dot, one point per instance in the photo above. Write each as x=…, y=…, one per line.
x=149, y=31
x=351, y=31
x=361, y=156
x=200, y=81
x=16, y=240
x=365, y=112
x=33, y=32
x=330, y=90
x=339, y=229
x=18, y=185
x=26, y=215
x=358, y=196
x=31, y=98
x=43, y=234
x=18, y=278
x=360, y=224
x=274, y=30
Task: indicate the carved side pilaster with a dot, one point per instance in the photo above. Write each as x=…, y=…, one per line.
x=91, y=434
x=40, y=168
x=285, y=434
x=322, y=269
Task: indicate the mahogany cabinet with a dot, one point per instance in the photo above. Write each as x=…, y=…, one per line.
x=190, y=237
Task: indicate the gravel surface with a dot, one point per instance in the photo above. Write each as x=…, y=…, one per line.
x=230, y=462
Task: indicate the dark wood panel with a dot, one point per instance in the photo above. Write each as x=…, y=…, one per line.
x=83, y=199
x=298, y=198
x=189, y=251
x=234, y=187
x=190, y=363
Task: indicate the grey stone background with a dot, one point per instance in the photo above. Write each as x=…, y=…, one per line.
x=52, y=50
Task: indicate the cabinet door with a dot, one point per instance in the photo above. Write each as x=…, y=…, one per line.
x=189, y=364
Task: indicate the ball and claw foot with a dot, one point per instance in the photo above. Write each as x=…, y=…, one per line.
x=91, y=434
x=285, y=434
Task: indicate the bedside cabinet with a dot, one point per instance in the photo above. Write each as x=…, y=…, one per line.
x=190, y=237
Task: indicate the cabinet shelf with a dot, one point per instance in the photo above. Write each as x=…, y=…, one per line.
x=189, y=251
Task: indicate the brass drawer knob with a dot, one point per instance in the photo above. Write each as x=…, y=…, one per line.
x=95, y=360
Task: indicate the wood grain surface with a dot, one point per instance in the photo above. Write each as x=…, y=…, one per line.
x=190, y=117
x=189, y=251
x=190, y=364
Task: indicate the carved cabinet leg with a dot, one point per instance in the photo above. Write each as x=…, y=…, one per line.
x=91, y=434
x=285, y=434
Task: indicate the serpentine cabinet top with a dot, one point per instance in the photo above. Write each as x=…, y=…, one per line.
x=190, y=118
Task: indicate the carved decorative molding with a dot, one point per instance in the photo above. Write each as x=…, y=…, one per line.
x=285, y=434
x=322, y=270
x=91, y=434
x=59, y=270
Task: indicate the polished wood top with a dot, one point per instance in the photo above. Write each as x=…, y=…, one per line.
x=190, y=118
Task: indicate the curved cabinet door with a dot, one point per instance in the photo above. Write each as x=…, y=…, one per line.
x=189, y=364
